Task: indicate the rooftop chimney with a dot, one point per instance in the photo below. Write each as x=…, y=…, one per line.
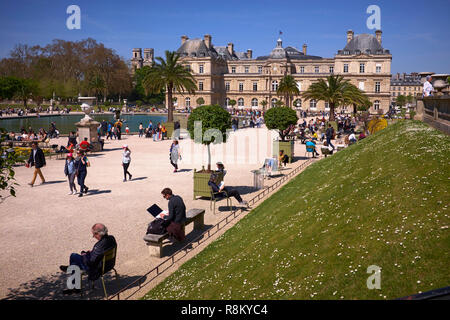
x=378, y=35
x=183, y=39
x=304, y=48
x=249, y=53
x=349, y=36
x=230, y=48
x=207, y=40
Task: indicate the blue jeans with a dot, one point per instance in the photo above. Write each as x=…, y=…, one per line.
x=76, y=259
x=329, y=142
x=154, y=137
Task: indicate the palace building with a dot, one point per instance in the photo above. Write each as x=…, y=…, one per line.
x=223, y=74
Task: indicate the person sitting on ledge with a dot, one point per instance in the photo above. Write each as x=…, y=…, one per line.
x=221, y=187
x=91, y=261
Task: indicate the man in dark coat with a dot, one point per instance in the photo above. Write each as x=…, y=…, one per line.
x=177, y=215
x=329, y=134
x=36, y=159
x=91, y=261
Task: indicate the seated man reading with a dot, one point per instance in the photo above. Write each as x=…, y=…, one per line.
x=218, y=187
x=91, y=261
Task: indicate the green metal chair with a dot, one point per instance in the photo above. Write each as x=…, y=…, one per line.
x=108, y=263
x=217, y=195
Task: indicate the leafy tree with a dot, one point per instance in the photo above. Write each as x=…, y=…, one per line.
x=400, y=100
x=280, y=118
x=409, y=98
x=335, y=90
x=7, y=162
x=8, y=87
x=232, y=103
x=288, y=89
x=200, y=101
x=27, y=88
x=97, y=86
x=215, y=121
x=168, y=74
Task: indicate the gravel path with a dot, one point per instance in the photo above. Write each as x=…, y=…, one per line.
x=42, y=225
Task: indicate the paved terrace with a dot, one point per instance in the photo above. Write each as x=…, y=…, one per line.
x=42, y=225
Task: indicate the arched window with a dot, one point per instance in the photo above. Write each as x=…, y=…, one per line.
x=241, y=102
x=227, y=102
x=188, y=102
x=254, y=102
x=273, y=102
x=274, y=85
x=312, y=104
x=298, y=103
x=376, y=105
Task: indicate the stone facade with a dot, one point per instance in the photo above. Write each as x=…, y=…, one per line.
x=223, y=74
x=405, y=84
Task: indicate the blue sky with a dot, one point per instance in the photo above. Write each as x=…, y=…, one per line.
x=416, y=32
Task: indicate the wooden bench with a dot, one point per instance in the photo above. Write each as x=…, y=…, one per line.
x=154, y=242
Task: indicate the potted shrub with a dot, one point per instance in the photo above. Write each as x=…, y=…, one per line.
x=280, y=118
x=207, y=124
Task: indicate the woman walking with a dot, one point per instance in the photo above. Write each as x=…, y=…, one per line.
x=81, y=164
x=70, y=172
x=126, y=159
x=174, y=155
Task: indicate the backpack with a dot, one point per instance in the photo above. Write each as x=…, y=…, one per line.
x=156, y=227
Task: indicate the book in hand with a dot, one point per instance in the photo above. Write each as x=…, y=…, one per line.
x=157, y=212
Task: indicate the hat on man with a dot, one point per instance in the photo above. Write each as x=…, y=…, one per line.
x=70, y=155
x=220, y=163
x=125, y=146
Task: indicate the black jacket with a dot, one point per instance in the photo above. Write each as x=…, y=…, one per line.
x=39, y=160
x=177, y=210
x=93, y=259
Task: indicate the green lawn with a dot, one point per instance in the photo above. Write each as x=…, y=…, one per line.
x=383, y=201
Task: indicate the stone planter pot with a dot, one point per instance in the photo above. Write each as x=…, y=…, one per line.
x=201, y=187
x=286, y=146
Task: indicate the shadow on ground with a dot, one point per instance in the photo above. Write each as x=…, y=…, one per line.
x=184, y=170
x=169, y=247
x=51, y=288
x=139, y=178
x=93, y=192
x=112, y=149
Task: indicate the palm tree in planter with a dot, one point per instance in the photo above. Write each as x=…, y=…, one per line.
x=280, y=118
x=171, y=76
x=335, y=90
x=207, y=124
x=288, y=89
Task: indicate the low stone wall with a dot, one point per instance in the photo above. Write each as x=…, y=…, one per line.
x=435, y=111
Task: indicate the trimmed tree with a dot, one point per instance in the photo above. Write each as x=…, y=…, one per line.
x=280, y=118
x=214, y=122
x=200, y=101
x=264, y=104
x=232, y=103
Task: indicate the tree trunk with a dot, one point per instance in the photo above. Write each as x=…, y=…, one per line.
x=209, y=157
x=331, y=117
x=169, y=104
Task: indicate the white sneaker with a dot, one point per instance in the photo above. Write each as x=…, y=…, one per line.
x=70, y=193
